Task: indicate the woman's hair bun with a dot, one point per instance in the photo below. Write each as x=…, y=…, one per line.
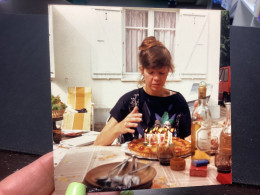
x=153, y=54
x=149, y=42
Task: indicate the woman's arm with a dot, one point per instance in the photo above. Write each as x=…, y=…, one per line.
x=114, y=128
x=109, y=133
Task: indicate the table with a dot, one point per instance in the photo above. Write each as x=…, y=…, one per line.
x=72, y=164
x=79, y=160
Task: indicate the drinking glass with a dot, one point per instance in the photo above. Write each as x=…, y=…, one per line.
x=165, y=151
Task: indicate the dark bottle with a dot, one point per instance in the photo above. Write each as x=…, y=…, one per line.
x=223, y=158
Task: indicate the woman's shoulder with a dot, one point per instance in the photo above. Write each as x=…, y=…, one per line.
x=124, y=103
x=129, y=95
x=177, y=96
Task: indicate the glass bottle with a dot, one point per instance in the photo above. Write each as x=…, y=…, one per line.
x=223, y=160
x=201, y=127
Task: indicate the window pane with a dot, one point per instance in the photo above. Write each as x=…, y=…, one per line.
x=226, y=75
x=136, y=18
x=221, y=75
x=166, y=22
x=167, y=38
x=134, y=36
x=133, y=40
x=164, y=19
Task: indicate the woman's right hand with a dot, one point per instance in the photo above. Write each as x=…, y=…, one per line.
x=131, y=121
x=113, y=128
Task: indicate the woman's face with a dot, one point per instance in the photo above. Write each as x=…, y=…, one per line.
x=154, y=80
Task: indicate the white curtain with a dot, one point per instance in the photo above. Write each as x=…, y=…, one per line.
x=164, y=24
x=136, y=31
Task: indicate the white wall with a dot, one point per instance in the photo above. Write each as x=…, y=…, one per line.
x=72, y=36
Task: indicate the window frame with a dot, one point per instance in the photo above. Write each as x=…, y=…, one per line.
x=133, y=76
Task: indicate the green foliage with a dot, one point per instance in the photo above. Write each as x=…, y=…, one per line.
x=55, y=107
x=56, y=103
x=64, y=106
x=55, y=100
x=225, y=39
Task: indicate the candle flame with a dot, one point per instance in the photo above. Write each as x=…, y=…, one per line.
x=160, y=130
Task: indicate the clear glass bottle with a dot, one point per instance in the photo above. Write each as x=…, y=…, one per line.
x=201, y=127
x=223, y=158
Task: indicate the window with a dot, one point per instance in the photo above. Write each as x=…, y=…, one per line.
x=142, y=23
x=136, y=30
x=226, y=75
x=164, y=28
x=116, y=34
x=221, y=75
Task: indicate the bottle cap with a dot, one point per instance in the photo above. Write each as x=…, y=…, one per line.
x=75, y=188
x=224, y=169
x=202, y=90
x=199, y=163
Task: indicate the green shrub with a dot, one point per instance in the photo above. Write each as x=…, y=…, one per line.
x=57, y=104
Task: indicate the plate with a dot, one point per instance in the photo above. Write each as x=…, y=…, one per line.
x=125, y=149
x=72, y=134
x=146, y=175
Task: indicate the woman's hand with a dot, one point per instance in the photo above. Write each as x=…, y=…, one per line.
x=113, y=128
x=131, y=121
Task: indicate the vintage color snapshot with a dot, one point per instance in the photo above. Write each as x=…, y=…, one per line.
x=94, y=54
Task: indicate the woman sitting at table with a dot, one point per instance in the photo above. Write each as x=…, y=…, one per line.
x=151, y=105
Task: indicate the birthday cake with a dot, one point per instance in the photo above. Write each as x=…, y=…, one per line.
x=143, y=148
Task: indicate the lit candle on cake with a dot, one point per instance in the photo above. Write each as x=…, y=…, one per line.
x=145, y=135
x=171, y=130
x=169, y=137
x=153, y=134
x=158, y=137
x=165, y=130
x=154, y=129
x=160, y=130
x=163, y=137
x=149, y=135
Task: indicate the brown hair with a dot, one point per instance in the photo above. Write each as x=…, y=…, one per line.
x=153, y=54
